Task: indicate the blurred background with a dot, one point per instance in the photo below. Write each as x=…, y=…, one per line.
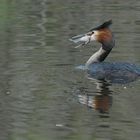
x=43, y=95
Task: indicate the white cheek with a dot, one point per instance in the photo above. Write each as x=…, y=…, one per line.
x=93, y=38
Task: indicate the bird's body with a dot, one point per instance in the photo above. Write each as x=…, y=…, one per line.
x=96, y=68
x=117, y=72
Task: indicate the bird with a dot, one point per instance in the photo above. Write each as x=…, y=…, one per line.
x=113, y=72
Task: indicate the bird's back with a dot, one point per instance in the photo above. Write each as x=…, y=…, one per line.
x=114, y=72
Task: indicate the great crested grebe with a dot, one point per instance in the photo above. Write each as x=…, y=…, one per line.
x=114, y=72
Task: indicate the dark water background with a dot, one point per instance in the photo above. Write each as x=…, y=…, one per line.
x=43, y=96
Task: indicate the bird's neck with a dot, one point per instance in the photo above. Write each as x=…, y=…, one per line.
x=101, y=54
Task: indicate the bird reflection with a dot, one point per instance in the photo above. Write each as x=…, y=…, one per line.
x=101, y=100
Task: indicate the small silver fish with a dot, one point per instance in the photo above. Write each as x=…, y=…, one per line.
x=84, y=39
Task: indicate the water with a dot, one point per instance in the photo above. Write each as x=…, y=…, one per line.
x=43, y=95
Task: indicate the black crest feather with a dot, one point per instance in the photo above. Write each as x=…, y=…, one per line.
x=102, y=26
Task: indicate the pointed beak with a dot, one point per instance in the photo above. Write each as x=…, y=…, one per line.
x=84, y=39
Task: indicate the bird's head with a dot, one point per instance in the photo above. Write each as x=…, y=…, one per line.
x=101, y=33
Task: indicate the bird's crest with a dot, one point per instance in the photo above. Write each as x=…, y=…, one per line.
x=102, y=26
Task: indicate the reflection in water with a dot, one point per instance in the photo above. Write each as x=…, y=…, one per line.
x=42, y=23
x=100, y=101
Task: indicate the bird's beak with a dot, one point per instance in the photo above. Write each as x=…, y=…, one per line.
x=83, y=39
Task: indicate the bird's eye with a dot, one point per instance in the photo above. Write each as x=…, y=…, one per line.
x=90, y=33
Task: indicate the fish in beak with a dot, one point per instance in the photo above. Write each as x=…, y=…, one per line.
x=83, y=39
x=95, y=34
